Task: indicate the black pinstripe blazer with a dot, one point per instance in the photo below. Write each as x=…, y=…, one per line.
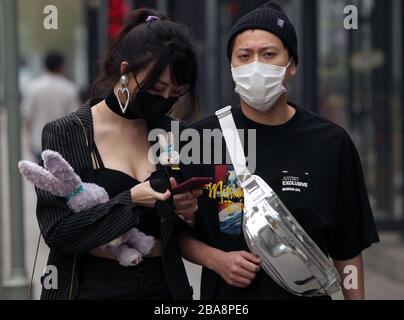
x=68, y=234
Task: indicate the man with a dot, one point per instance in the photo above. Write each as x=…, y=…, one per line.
x=51, y=96
x=311, y=164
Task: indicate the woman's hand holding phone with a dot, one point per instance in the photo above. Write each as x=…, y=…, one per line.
x=185, y=196
x=186, y=202
x=143, y=195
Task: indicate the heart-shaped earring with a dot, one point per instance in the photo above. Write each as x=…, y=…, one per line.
x=125, y=91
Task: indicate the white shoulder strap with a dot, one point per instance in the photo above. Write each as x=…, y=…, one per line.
x=233, y=143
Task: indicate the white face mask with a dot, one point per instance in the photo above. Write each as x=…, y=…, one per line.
x=259, y=84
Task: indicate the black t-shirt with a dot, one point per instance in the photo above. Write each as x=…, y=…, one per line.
x=315, y=169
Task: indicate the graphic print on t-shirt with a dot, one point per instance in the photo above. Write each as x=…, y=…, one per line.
x=230, y=199
x=295, y=183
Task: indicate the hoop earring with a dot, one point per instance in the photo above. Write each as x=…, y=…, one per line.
x=125, y=91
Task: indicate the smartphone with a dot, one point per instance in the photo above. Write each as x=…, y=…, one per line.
x=192, y=184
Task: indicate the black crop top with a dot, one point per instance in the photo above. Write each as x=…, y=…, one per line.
x=116, y=182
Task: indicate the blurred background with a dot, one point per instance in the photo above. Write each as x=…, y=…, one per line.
x=351, y=77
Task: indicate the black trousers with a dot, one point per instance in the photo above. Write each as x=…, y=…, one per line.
x=103, y=279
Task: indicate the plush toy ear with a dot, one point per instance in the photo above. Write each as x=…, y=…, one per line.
x=41, y=178
x=163, y=141
x=61, y=169
x=170, y=138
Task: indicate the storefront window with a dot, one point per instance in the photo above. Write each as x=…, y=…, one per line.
x=359, y=81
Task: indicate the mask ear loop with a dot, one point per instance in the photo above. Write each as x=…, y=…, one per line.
x=138, y=88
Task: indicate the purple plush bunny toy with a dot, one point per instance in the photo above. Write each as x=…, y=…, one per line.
x=58, y=178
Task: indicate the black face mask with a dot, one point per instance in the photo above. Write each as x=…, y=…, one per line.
x=149, y=106
x=145, y=106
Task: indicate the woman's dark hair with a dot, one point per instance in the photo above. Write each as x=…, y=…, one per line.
x=163, y=42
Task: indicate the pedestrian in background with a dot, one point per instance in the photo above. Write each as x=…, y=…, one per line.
x=50, y=96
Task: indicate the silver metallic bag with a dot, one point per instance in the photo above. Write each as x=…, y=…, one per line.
x=288, y=254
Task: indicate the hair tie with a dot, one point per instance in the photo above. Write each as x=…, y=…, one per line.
x=152, y=18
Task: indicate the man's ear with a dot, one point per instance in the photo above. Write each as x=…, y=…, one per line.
x=292, y=68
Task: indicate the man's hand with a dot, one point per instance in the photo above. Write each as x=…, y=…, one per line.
x=238, y=269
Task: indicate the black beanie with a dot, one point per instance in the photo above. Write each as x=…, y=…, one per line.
x=269, y=17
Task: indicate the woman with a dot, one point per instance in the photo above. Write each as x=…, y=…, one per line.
x=149, y=66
